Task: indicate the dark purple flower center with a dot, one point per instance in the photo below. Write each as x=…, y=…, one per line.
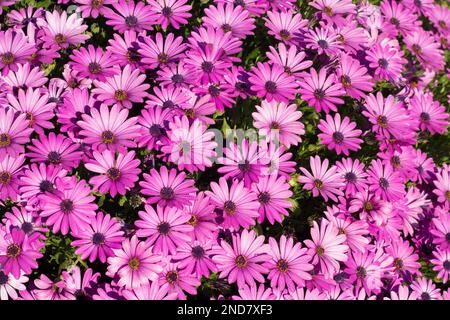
x=323, y=44
x=13, y=251
x=350, y=177
x=319, y=94
x=382, y=121
x=361, y=272
x=425, y=117
x=241, y=261
x=108, y=136
x=447, y=237
x=264, y=197
x=60, y=38
x=275, y=125
x=172, y=277
x=398, y=264
x=395, y=21
x=270, y=86
x=318, y=184
x=66, y=206
x=163, y=57
x=340, y=277
x=27, y=227
x=167, y=12
x=214, y=90
x=164, y=228
x=383, y=63
x=155, y=130
x=177, y=78
x=282, y=265
x=5, y=177
x=446, y=265
x=98, y=238
x=229, y=207
x=113, y=173
x=167, y=193
x=198, y=252
x=131, y=21
x=416, y=49
x=425, y=296
x=133, y=55
x=7, y=58
x=207, y=66
x=244, y=167
x=46, y=186
x=384, y=183
x=5, y=140
x=395, y=162
x=120, y=95
x=285, y=34
x=54, y=157
x=226, y=27
x=338, y=137
x=3, y=278
x=95, y=68
x=96, y=4
x=134, y=263
x=168, y=104
x=346, y=81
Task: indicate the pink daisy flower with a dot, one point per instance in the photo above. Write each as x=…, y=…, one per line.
x=161, y=51
x=14, y=49
x=442, y=184
x=385, y=182
x=123, y=89
x=405, y=260
x=191, y=146
x=354, y=77
x=17, y=254
x=239, y=204
x=117, y=173
x=425, y=289
x=272, y=83
x=93, y=63
x=10, y=285
x=129, y=15
x=324, y=180
x=101, y=236
x=173, y=12
x=26, y=76
x=289, y=266
x=242, y=162
x=109, y=129
x=202, y=216
x=62, y=30
x=179, y=280
x=208, y=64
x=339, y=135
x=69, y=207
x=354, y=175
x=153, y=122
x=168, y=188
x=93, y=8
x=321, y=91
x=135, y=264
x=165, y=229
x=245, y=261
x=292, y=60
x=441, y=263
x=279, y=120
x=10, y=168
x=36, y=107
x=196, y=257
x=125, y=49
x=430, y=114
x=40, y=178
x=229, y=18
x=327, y=247
x=387, y=61
x=273, y=195
x=323, y=40
x=56, y=150
x=284, y=25
x=14, y=133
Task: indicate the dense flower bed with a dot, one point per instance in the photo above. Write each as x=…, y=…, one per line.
x=252, y=149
